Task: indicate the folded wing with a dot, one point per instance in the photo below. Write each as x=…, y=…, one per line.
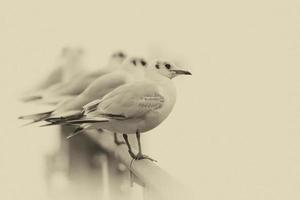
x=130, y=101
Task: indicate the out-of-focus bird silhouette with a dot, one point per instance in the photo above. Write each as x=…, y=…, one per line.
x=69, y=65
x=132, y=70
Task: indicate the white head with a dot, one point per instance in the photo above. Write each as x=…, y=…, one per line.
x=117, y=58
x=134, y=66
x=77, y=55
x=136, y=62
x=72, y=62
x=71, y=56
x=168, y=69
x=65, y=51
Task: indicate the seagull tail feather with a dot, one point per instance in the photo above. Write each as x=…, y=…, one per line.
x=87, y=121
x=65, y=117
x=36, y=117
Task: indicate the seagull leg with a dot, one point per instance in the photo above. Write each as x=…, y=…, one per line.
x=117, y=141
x=125, y=136
x=140, y=155
x=128, y=145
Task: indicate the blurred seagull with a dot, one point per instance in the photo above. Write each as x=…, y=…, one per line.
x=78, y=84
x=132, y=70
x=70, y=65
x=135, y=107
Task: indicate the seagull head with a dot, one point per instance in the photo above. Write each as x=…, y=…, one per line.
x=137, y=62
x=168, y=69
x=117, y=57
x=72, y=56
x=65, y=51
x=77, y=54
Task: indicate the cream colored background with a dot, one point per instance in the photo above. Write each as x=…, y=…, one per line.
x=234, y=133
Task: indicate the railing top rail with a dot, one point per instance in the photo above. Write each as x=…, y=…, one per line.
x=158, y=183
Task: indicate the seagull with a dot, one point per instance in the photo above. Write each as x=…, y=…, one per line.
x=70, y=65
x=133, y=69
x=78, y=84
x=74, y=84
x=136, y=107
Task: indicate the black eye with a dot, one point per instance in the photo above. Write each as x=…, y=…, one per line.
x=122, y=55
x=168, y=66
x=143, y=62
x=133, y=62
x=157, y=66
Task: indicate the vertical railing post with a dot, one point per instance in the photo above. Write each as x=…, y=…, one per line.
x=90, y=170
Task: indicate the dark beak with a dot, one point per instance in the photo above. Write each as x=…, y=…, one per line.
x=181, y=72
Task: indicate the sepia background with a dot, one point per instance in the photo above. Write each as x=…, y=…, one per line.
x=234, y=132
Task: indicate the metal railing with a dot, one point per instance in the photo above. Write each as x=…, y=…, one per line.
x=115, y=167
x=157, y=183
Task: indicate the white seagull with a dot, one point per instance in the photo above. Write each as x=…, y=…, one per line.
x=135, y=107
x=70, y=65
x=78, y=84
x=74, y=85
